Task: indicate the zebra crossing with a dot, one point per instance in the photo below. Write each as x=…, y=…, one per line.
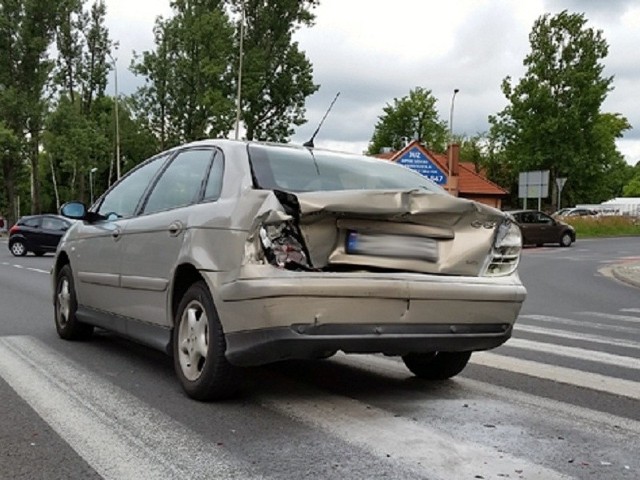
x=464, y=428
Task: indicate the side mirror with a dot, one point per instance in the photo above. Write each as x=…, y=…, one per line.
x=75, y=210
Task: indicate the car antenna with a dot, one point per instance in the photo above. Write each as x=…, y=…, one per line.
x=309, y=143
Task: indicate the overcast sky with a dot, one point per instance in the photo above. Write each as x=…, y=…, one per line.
x=374, y=51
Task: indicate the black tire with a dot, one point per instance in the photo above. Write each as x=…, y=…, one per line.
x=436, y=365
x=566, y=240
x=18, y=249
x=66, y=305
x=199, y=349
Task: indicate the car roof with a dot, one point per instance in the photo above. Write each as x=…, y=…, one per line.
x=42, y=215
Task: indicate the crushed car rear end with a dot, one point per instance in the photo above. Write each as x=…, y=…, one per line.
x=386, y=270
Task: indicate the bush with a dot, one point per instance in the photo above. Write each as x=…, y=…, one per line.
x=604, y=225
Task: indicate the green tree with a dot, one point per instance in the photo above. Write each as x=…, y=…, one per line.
x=26, y=32
x=277, y=77
x=553, y=120
x=632, y=189
x=80, y=77
x=413, y=116
x=9, y=161
x=188, y=93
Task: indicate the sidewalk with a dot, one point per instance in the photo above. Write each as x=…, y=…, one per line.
x=628, y=273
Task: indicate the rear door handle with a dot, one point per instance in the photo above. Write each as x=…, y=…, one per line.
x=176, y=228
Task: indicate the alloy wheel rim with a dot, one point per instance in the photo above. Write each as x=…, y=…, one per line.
x=193, y=340
x=64, y=302
x=17, y=248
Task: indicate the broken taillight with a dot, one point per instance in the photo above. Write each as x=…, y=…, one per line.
x=283, y=248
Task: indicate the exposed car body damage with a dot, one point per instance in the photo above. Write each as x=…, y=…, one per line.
x=286, y=252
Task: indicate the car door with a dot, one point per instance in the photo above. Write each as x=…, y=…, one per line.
x=95, y=248
x=52, y=231
x=529, y=228
x=153, y=240
x=546, y=227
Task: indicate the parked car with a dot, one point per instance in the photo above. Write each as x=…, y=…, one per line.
x=575, y=212
x=38, y=234
x=230, y=254
x=538, y=228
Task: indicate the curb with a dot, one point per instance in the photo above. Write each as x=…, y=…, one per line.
x=628, y=273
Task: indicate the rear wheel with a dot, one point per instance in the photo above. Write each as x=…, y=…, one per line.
x=199, y=347
x=66, y=305
x=566, y=240
x=436, y=365
x=18, y=249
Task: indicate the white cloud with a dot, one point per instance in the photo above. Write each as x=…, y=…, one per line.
x=373, y=52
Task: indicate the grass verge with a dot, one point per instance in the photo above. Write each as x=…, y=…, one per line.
x=604, y=226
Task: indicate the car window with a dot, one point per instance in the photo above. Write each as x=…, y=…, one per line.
x=181, y=183
x=214, y=182
x=30, y=222
x=306, y=170
x=49, y=223
x=123, y=199
x=540, y=217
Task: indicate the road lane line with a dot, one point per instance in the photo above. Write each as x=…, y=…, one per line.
x=120, y=436
x=580, y=323
x=568, y=376
x=519, y=327
x=575, y=352
x=622, y=318
x=630, y=310
x=430, y=451
x=38, y=270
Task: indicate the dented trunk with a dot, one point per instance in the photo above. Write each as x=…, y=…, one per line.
x=373, y=230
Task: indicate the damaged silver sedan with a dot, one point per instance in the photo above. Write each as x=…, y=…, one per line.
x=227, y=254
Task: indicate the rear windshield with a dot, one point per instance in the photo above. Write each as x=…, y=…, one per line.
x=297, y=169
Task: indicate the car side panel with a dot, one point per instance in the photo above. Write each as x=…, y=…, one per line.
x=94, y=253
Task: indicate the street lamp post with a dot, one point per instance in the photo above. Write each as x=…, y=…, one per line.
x=115, y=71
x=239, y=94
x=91, y=172
x=453, y=97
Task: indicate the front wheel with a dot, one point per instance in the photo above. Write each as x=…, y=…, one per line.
x=199, y=347
x=566, y=240
x=436, y=365
x=18, y=249
x=66, y=305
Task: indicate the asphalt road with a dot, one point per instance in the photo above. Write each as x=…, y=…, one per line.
x=560, y=400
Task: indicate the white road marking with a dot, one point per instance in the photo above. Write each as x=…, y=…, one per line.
x=519, y=327
x=38, y=270
x=416, y=446
x=580, y=323
x=118, y=435
x=622, y=318
x=631, y=310
x=17, y=266
x=568, y=376
x=574, y=352
x=473, y=388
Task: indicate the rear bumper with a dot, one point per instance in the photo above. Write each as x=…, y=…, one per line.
x=305, y=341
x=305, y=315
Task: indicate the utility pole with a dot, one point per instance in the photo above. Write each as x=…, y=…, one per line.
x=239, y=94
x=453, y=97
x=115, y=70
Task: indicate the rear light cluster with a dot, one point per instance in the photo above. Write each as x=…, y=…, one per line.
x=505, y=254
x=14, y=229
x=283, y=248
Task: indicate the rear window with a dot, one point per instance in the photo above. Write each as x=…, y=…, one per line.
x=297, y=169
